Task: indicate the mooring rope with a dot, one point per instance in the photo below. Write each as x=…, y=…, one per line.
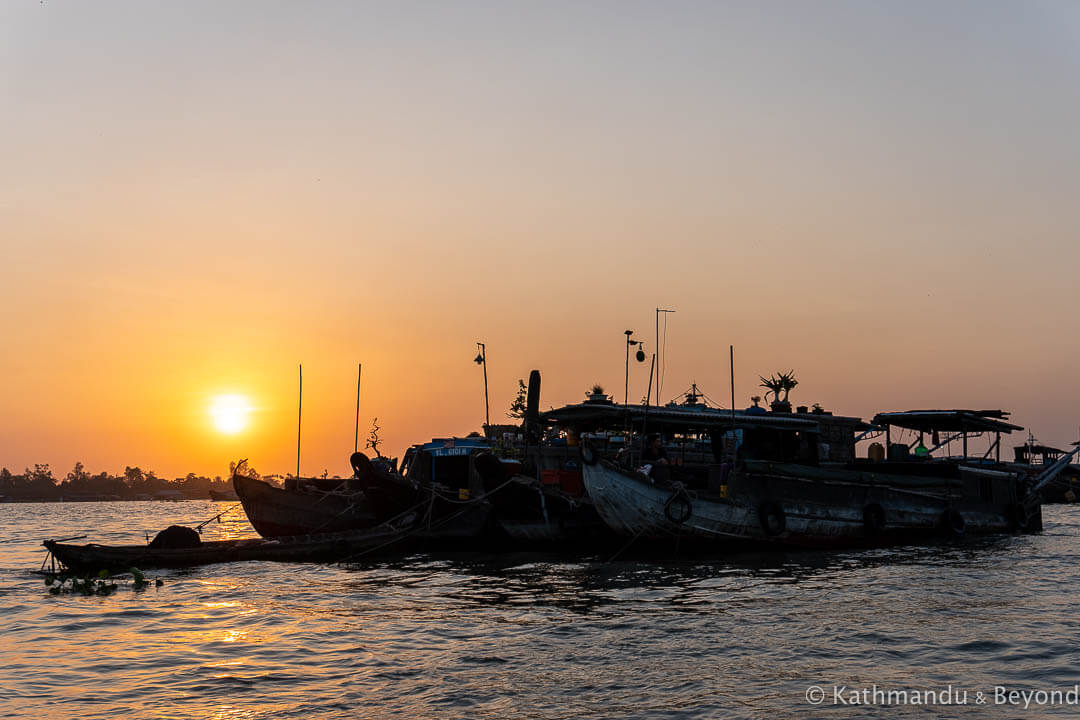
x=431, y=524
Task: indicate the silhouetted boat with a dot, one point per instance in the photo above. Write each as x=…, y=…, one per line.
x=224, y=496
x=436, y=480
x=307, y=548
x=1032, y=458
x=792, y=479
x=537, y=495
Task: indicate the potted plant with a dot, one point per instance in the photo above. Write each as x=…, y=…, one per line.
x=596, y=394
x=776, y=384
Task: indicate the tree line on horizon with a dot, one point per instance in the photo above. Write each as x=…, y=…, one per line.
x=39, y=483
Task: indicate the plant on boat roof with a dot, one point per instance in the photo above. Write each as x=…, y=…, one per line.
x=517, y=408
x=373, y=438
x=597, y=389
x=779, y=383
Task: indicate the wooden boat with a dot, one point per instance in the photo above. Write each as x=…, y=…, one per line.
x=438, y=521
x=305, y=548
x=1032, y=458
x=531, y=510
x=792, y=479
x=277, y=512
x=436, y=480
x=537, y=494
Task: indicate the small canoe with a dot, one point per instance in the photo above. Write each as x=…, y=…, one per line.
x=303, y=548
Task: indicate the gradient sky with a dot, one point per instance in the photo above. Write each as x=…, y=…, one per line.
x=197, y=196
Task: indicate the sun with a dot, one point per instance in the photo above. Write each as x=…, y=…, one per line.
x=230, y=413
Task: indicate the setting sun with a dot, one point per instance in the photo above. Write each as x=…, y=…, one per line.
x=230, y=413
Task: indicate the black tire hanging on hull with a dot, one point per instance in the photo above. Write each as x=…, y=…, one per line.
x=874, y=519
x=772, y=518
x=953, y=523
x=1019, y=518
x=678, y=508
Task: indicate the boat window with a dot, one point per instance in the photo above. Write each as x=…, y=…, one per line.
x=452, y=471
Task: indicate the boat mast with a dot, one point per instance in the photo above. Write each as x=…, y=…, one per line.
x=356, y=433
x=734, y=436
x=299, y=416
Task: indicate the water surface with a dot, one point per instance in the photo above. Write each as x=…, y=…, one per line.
x=533, y=635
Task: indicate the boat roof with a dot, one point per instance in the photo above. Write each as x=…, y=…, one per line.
x=444, y=447
x=612, y=415
x=948, y=420
x=1041, y=449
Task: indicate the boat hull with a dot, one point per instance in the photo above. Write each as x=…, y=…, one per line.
x=275, y=512
x=801, y=507
x=529, y=514
x=323, y=547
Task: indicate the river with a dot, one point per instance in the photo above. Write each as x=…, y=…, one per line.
x=539, y=636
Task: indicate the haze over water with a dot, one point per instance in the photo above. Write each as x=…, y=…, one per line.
x=488, y=636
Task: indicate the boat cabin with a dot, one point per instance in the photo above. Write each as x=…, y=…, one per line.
x=702, y=435
x=1035, y=454
x=448, y=462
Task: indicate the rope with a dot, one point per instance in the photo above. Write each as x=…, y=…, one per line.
x=227, y=510
x=624, y=547
x=431, y=524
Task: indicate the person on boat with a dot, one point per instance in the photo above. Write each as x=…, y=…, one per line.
x=654, y=451
x=654, y=459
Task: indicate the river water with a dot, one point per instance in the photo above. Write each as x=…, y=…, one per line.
x=536, y=636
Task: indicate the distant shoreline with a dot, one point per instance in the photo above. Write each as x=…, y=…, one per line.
x=12, y=501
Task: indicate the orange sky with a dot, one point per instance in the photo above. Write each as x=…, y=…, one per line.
x=195, y=198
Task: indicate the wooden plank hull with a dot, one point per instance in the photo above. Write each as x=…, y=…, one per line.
x=274, y=512
x=332, y=546
x=790, y=505
x=462, y=528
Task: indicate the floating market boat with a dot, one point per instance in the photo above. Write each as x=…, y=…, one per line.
x=1033, y=457
x=341, y=546
x=792, y=479
x=436, y=480
x=535, y=484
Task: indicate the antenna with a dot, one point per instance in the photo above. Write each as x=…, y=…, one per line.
x=659, y=375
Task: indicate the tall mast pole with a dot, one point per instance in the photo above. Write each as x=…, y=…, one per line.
x=734, y=436
x=482, y=360
x=356, y=433
x=299, y=417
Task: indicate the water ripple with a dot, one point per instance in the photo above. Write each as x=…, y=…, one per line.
x=530, y=635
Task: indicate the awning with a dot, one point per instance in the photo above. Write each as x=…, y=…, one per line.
x=948, y=420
